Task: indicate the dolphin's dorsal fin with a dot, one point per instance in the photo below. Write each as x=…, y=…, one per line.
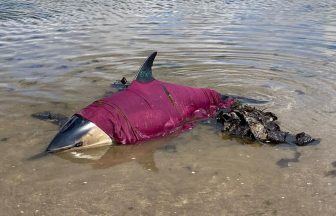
x=145, y=72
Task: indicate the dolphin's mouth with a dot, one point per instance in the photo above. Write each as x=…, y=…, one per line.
x=77, y=132
x=56, y=150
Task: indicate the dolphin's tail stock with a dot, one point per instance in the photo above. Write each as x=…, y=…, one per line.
x=244, y=100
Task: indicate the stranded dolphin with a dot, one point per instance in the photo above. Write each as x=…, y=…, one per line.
x=146, y=109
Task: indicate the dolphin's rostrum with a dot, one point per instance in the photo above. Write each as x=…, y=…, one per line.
x=78, y=132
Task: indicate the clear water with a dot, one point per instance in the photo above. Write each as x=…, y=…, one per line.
x=61, y=55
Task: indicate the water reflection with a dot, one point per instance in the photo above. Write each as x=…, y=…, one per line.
x=109, y=156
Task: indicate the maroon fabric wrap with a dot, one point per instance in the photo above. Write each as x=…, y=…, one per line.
x=145, y=111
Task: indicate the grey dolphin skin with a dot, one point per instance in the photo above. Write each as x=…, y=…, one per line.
x=78, y=132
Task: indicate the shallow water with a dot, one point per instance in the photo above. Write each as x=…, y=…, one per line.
x=61, y=55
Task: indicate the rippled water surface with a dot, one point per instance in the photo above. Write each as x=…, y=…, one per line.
x=59, y=56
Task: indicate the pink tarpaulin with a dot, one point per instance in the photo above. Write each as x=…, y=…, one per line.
x=145, y=111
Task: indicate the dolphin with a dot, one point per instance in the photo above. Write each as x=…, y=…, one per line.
x=143, y=110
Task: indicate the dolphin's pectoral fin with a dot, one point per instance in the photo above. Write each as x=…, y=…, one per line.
x=55, y=118
x=120, y=85
x=147, y=162
x=145, y=72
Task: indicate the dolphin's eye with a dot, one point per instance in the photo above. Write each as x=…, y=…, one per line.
x=79, y=144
